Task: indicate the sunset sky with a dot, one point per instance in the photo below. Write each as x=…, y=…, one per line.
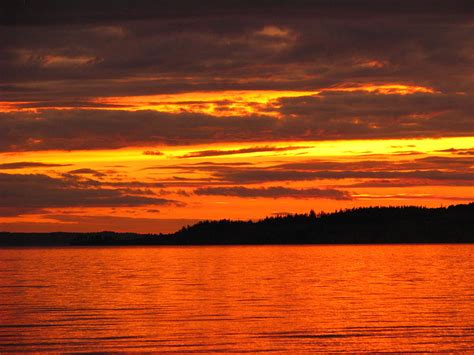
x=145, y=116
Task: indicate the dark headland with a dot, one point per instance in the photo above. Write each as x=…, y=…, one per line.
x=371, y=225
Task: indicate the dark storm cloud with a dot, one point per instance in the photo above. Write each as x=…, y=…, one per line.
x=53, y=12
x=274, y=192
x=34, y=192
x=94, y=48
x=29, y=164
x=65, y=54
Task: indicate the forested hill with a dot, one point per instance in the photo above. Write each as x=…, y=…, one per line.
x=454, y=224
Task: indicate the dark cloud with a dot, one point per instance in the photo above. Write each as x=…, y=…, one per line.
x=330, y=116
x=448, y=162
x=86, y=171
x=89, y=129
x=132, y=184
x=28, y=193
x=380, y=172
x=29, y=164
x=371, y=115
x=274, y=192
x=455, y=164
x=202, y=165
x=405, y=196
x=265, y=175
x=152, y=152
x=65, y=55
x=257, y=149
x=74, y=51
x=469, y=151
x=456, y=171
x=214, y=164
x=180, y=192
x=407, y=183
x=404, y=152
x=50, y=12
x=18, y=211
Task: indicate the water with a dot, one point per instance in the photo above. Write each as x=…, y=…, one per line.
x=238, y=299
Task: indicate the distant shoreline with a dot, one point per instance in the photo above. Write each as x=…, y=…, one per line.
x=359, y=226
x=138, y=246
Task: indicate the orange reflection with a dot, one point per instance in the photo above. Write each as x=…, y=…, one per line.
x=286, y=299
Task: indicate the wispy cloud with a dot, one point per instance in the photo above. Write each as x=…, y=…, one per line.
x=274, y=192
x=29, y=164
x=257, y=149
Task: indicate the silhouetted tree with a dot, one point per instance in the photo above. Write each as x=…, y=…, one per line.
x=407, y=224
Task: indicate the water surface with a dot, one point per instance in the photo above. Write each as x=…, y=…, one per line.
x=238, y=299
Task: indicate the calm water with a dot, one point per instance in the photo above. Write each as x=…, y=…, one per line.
x=242, y=299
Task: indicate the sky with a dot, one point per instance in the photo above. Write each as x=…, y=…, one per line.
x=145, y=116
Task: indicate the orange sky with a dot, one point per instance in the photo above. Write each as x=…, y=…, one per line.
x=152, y=123
x=167, y=173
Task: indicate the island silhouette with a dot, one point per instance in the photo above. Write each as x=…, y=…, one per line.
x=368, y=225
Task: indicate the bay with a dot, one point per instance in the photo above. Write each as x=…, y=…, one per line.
x=367, y=298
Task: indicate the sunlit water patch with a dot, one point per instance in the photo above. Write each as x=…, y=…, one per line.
x=238, y=299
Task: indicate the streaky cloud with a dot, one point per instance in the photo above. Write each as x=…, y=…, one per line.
x=29, y=164
x=256, y=149
x=274, y=192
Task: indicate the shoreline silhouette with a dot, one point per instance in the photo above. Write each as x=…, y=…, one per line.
x=368, y=225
